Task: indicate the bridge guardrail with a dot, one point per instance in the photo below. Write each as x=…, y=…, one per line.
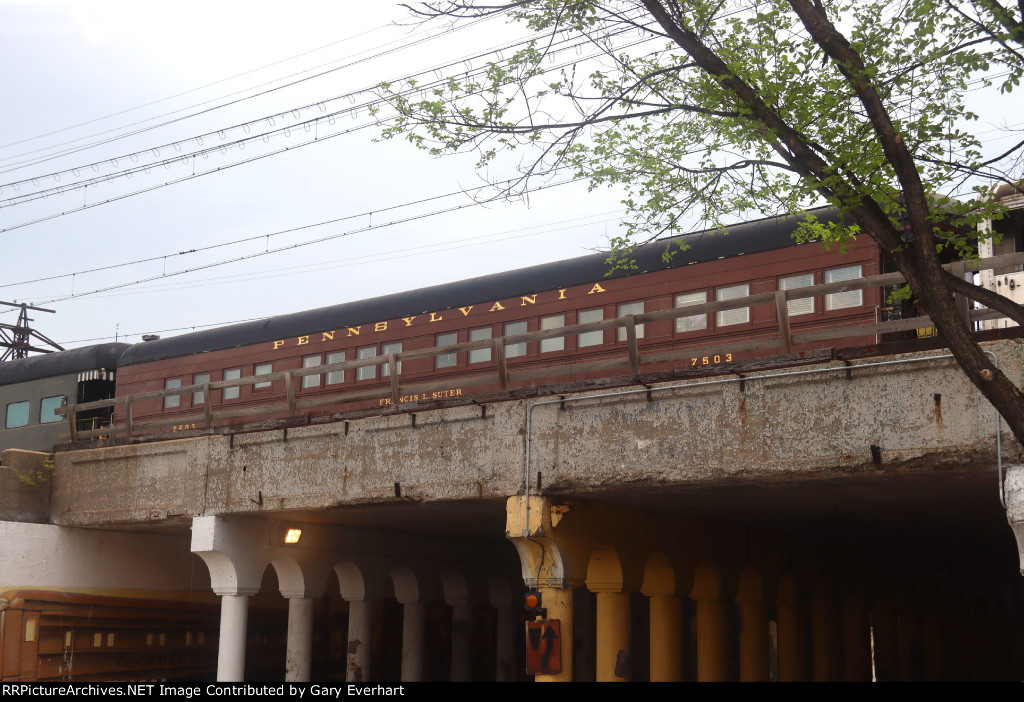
x=497, y=372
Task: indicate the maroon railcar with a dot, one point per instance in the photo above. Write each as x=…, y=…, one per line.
x=752, y=258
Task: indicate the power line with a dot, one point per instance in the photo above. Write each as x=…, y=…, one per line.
x=186, y=92
x=185, y=158
x=405, y=252
x=360, y=260
x=85, y=147
x=258, y=237
x=291, y=247
x=564, y=46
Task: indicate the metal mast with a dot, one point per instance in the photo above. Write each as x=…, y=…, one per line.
x=16, y=340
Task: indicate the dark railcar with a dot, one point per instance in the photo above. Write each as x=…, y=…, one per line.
x=755, y=257
x=32, y=388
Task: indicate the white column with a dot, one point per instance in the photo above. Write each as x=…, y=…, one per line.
x=360, y=630
x=234, y=614
x=300, y=639
x=413, y=619
x=462, y=661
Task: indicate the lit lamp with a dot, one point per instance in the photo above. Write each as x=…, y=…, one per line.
x=292, y=536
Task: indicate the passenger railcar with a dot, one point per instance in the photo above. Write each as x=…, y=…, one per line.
x=32, y=388
x=755, y=257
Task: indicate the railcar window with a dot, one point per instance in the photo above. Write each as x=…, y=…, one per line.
x=628, y=309
x=728, y=317
x=263, y=369
x=558, y=343
x=232, y=374
x=513, y=350
x=395, y=347
x=367, y=372
x=480, y=355
x=17, y=414
x=591, y=338
x=199, y=397
x=311, y=381
x=172, y=400
x=47, y=407
x=843, y=300
x=694, y=322
x=446, y=360
x=802, y=306
x=338, y=376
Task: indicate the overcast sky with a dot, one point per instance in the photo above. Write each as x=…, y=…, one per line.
x=79, y=71
x=76, y=70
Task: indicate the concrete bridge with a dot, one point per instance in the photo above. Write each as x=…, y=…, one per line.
x=838, y=520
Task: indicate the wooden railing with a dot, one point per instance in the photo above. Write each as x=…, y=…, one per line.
x=497, y=373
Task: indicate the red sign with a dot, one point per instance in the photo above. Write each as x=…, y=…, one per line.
x=544, y=647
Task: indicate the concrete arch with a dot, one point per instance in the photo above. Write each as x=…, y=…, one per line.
x=499, y=592
x=707, y=582
x=455, y=588
x=351, y=581
x=604, y=570
x=406, y=585
x=290, y=578
x=659, y=576
x=751, y=585
x=789, y=589
x=236, y=565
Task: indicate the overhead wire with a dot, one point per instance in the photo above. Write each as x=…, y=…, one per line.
x=572, y=44
x=20, y=165
x=289, y=247
x=191, y=156
x=187, y=92
x=404, y=252
x=259, y=237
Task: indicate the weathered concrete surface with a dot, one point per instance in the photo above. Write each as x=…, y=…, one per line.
x=43, y=556
x=1014, y=494
x=25, y=486
x=919, y=416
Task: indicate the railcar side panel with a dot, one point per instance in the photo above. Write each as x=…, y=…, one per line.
x=529, y=310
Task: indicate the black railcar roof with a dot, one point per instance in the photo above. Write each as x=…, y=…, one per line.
x=749, y=237
x=59, y=363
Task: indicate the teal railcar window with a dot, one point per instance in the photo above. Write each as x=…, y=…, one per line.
x=17, y=414
x=47, y=407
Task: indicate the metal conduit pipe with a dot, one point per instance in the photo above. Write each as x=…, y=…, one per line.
x=722, y=381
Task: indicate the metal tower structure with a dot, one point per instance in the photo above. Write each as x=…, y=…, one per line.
x=17, y=340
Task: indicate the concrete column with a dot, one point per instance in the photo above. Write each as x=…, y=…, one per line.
x=712, y=640
x=413, y=620
x=234, y=614
x=507, y=637
x=824, y=640
x=558, y=602
x=932, y=636
x=979, y=638
x=613, y=636
x=909, y=638
x=792, y=633
x=360, y=632
x=712, y=624
x=666, y=638
x=462, y=654
x=856, y=639
x=299, y=661
x=886, y=648
x=956, y=644
x=753, y=636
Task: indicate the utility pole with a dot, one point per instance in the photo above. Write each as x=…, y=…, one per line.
x=17, y=340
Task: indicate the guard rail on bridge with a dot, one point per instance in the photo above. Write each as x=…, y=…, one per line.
x=496, y=373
